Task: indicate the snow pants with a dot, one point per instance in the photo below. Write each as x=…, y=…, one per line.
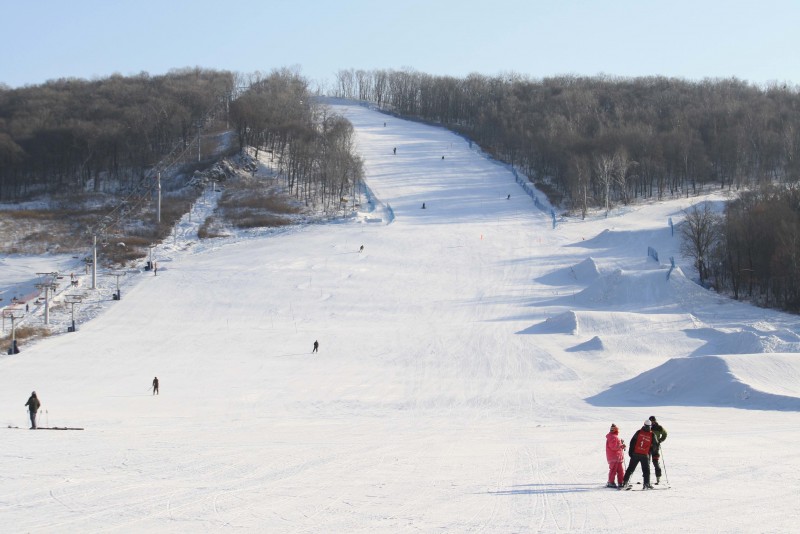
x=615, y=472
x=656, y=465
x=33, y=418
x=637, y=459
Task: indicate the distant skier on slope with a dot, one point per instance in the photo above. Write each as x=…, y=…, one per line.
x=316, y=346
x=155, y=385
x=660, y=433
x=615, y=455
x=33, y=405
x=642, y=444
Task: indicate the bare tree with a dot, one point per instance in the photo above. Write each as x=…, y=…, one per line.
x=700, y=233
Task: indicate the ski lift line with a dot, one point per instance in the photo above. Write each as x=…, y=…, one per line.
x=138, y=195
x=173, y=156
x=130, y=202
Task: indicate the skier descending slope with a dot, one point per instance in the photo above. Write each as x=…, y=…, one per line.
x=643, y=443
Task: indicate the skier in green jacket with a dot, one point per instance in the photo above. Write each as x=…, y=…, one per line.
x=661, y=434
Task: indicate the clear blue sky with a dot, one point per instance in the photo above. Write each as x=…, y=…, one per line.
x=757, y=41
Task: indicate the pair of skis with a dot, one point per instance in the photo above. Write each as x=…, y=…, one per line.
x=50, y=427
x=630, y=487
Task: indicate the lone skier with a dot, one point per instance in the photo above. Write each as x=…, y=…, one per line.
x=155, y=386
x=615, y=455
x=316, y=346
x=660, y=433
x=641, y=447
x=33, y=405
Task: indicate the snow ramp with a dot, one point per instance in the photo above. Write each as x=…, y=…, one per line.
x=747, y=340
x=613, y=323
x=583, y=272
x=639, y=289
x=747, y=381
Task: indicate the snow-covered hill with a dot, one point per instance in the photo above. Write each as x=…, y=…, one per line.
x=471, y=361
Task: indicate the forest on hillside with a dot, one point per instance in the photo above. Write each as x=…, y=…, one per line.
x=101, y=135
x=593, y=142
x=94, y=149
x=107, y=135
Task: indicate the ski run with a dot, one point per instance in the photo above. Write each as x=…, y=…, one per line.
x=471, y=359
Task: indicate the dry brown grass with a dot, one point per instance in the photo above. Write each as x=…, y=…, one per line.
x=247, y=202
x=40, y=231
x=210, y=229
x=67, y=230
x=23, y=333
x=263, y=220
x=270, y=201
x=124, y=249
x=253, y=203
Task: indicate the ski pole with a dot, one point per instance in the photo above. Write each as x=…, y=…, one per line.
x=664, y=463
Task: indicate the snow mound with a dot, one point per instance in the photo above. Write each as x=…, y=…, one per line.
x=744, y=341
x=593, y=344
x=749, y=381
x=585, y=271
x=613, y=323
x=638, y=288
x=605, y=239
x=563, y=323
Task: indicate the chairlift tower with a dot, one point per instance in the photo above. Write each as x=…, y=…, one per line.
x=158, y=202
x=117, y=295
x=72, y=300
x=47, y=287
x=150, y=262
x=14, y=315
x=199, y=139
x=94, y=263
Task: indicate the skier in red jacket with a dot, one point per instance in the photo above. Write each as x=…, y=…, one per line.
x=642, y=445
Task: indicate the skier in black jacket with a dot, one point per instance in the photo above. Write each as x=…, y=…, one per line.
x=642, y=445
x=33, y=407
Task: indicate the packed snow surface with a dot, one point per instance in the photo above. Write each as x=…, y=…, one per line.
x=471, y=360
